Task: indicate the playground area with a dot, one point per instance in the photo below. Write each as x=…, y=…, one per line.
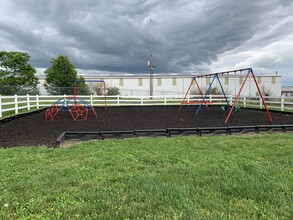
x=74, y=114
x=34, y=130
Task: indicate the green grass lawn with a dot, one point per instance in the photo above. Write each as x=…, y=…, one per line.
x=220, y=177
x=21, y=111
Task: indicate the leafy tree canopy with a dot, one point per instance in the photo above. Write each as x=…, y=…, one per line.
x=82, y=87
x=16, y=75
x=60, y=77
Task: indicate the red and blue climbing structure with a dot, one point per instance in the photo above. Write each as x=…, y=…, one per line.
x=77, y=107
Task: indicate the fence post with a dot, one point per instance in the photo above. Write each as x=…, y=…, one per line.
x=260, y=103
x=28, y=102
x=118, y=100
x=231, y=99
x=244, y=101
x=165, y=100
x=282, y=103
x=37, y=100
x=188, y=98
x=15, y=104
x=141, y=100
x=211, y=97
x=0, y=107
x=91, y=100
x=65, y=101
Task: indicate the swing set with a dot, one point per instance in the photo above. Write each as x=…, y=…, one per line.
x=77, y=107
x=215, y=76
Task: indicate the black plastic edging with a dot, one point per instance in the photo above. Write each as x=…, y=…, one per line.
x=170, y=132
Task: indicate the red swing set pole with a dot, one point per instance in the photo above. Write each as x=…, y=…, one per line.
x=236, y=99
x=260, y=93
x=194, y=79
x=185, y=95
x=205, y=102
x=262, y=98
x=199, y=90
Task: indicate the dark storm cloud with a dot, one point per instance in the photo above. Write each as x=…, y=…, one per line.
x=184, y=35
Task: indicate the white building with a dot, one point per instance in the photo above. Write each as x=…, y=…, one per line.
x=177, y=84
x=287, y=91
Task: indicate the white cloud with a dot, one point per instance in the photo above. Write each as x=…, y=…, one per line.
x=274, y=57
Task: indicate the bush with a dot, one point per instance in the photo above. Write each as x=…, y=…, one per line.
x=113, y=91
x=97, y=88
x=18, y=90
x=265, y=91
x=215, y=91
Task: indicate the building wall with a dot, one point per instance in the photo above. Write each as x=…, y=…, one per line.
x=132, y=85
x=287, y=91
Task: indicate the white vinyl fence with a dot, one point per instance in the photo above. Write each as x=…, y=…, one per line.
x=13, y=104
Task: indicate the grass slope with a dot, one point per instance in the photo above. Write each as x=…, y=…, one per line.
x=248, y=177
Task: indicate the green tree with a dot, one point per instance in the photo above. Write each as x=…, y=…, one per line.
x=82, y=87
x=60, y=77
x=16, y=75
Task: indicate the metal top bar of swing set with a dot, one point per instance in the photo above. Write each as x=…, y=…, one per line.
x=224, y=72
x=206, y=75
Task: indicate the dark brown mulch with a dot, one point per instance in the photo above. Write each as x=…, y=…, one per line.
x=34, y=130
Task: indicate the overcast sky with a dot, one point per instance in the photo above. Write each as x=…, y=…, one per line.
x=185, y=36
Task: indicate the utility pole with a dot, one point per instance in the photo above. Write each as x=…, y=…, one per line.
x=151, y=68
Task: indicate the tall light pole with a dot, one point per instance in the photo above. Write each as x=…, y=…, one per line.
x=151, y=68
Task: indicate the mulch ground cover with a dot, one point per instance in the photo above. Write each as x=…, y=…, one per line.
x=35, y=130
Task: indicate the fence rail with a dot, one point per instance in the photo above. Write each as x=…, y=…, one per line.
x=13, y=104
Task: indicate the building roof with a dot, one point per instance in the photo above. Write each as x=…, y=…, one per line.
x=287, y=89
x=156, y=75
